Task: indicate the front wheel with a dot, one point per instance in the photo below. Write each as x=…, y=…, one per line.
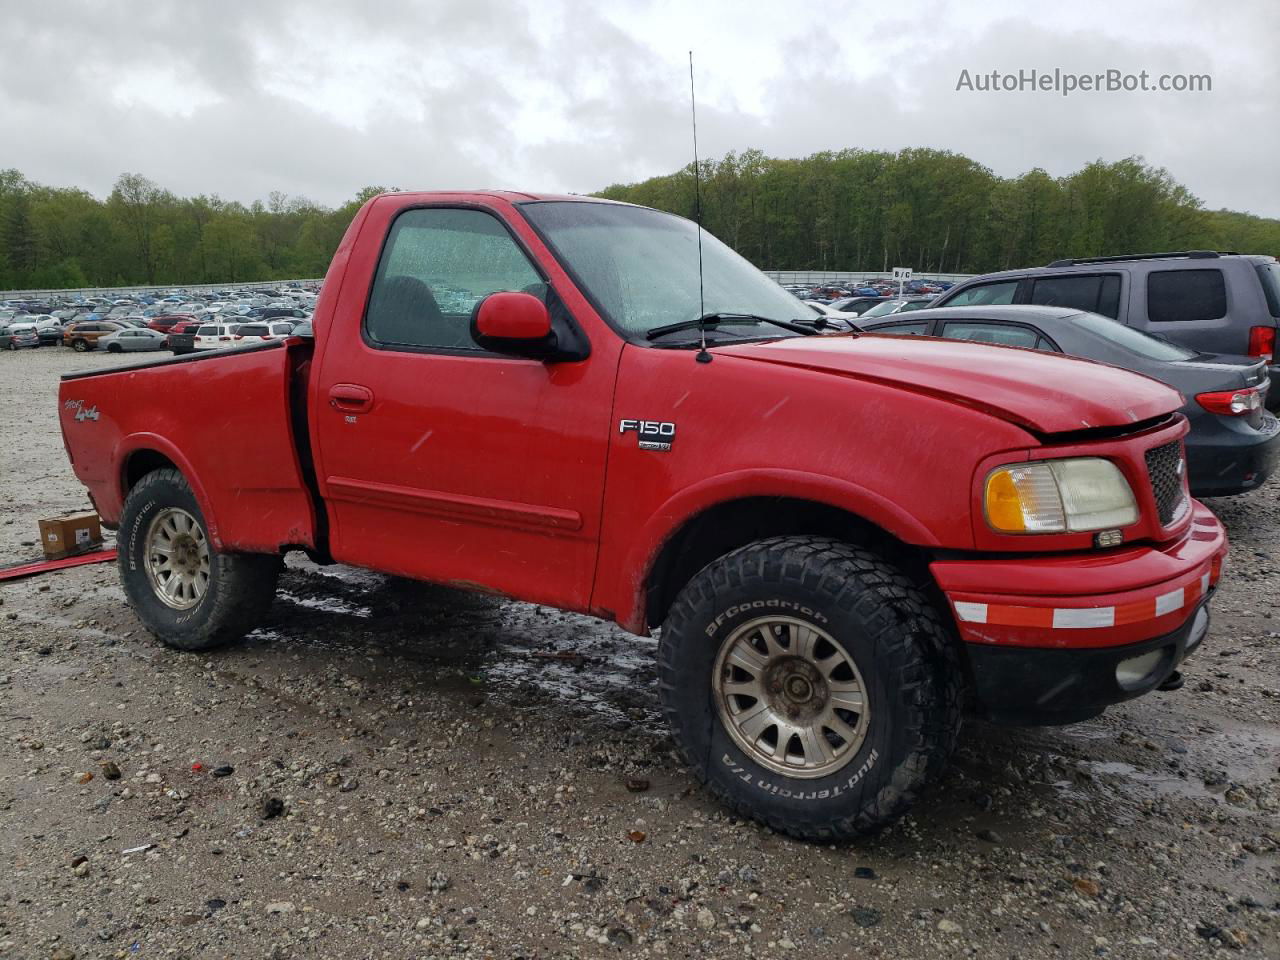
x=810, y=685
x=80, y=346
x=115, y=348
x=187, y=593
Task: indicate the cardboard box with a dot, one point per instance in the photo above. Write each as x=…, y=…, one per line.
x=69, y=535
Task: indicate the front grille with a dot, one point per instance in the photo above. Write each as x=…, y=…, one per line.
x=1165, y=467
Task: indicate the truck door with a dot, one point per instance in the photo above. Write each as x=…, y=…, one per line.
x=439, y=460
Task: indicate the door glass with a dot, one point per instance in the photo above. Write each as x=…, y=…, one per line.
x=1097, y=293
x=986, y=332
x=985, y=294
x=436, y=266
x=912, y=329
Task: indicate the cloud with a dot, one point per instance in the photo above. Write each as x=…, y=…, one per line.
x=321, y=98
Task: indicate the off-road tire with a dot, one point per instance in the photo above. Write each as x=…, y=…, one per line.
x=908, y=660
x=240, y=588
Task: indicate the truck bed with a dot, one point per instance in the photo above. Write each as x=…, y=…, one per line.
x=191, y=412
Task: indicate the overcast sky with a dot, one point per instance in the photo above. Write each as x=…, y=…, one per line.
x=320, y=98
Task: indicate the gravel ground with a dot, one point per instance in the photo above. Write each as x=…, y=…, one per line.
x=388, y=769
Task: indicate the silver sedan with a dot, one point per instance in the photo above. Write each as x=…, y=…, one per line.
x=131, y=339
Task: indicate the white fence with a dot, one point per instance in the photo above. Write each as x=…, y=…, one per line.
x=818, y=278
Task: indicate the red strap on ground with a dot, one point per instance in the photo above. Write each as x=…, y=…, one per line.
x=48, y=566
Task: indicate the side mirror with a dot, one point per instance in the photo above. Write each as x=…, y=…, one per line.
x=514, y=323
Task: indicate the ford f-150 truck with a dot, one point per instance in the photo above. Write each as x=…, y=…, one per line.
x=846, y=541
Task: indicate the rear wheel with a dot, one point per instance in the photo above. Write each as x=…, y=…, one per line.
x=187, y=593
x=80, y=346
x=808, y=683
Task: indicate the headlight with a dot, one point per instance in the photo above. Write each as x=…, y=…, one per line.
x=1059, y=496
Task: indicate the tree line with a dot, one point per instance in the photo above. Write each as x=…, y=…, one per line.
x=933, y=210
x=941, y=212
x=53, y=237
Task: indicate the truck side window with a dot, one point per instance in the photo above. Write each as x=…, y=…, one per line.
x=1186, y=295
x=1097, y=293
x=436, y=266
x=985, y=294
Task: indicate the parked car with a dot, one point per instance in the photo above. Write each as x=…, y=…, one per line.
x=164, y=323
x=131, y=340
x=1028, y=547
x=303, y=329
x=182, y=336
x=19, y=336
x=1211, y=302
x=1234, y=443
x=211, y=336
x=49, y=330
x=855, y=306
x=259, y=332
x=271, y=313
x=887, y=308
x=84, y=336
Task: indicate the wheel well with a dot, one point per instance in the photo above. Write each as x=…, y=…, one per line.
x=728, y=526
x=142, y=462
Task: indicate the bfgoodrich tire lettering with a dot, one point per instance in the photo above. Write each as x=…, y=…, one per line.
x=239, y=589
x=905, y=665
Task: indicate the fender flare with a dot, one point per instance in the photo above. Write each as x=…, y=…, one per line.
x=139, y=442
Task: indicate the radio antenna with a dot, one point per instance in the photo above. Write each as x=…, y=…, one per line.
x=703, y=356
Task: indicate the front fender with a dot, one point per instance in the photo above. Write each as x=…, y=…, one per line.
x=688, y=503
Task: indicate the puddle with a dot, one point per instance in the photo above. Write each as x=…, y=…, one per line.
x=527, y=656
x=1167, y=785
x=327, y=604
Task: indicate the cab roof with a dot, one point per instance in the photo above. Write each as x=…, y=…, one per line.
x=511, y=196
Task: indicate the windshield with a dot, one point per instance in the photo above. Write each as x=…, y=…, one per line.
x=1127, y=338
x=641, y=267
x=884, y=309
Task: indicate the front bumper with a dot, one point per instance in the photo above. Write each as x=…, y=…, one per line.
x=1044, y=633
x=1225, y=455
x=1028, y=686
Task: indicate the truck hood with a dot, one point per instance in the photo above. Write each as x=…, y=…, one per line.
x=1044, y=392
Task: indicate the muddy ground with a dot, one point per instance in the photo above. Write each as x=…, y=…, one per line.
x=393, y=770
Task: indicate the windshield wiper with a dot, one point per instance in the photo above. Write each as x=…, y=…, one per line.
x=830, y=323
x=713, y=320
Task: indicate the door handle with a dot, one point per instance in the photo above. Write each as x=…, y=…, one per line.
x=350, y=398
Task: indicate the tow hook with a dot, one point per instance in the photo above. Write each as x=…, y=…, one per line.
x=1174, y=681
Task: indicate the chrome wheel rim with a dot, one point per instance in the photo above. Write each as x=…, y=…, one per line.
x=177, y=559
x=791, y=696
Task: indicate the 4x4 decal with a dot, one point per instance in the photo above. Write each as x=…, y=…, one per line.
x=82, y=412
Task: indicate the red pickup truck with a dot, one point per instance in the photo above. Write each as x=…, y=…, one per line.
x=846, y=541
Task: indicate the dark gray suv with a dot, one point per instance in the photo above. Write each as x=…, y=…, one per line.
x=1207, y=301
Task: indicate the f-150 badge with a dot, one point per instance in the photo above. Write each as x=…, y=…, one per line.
x=652, y=434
